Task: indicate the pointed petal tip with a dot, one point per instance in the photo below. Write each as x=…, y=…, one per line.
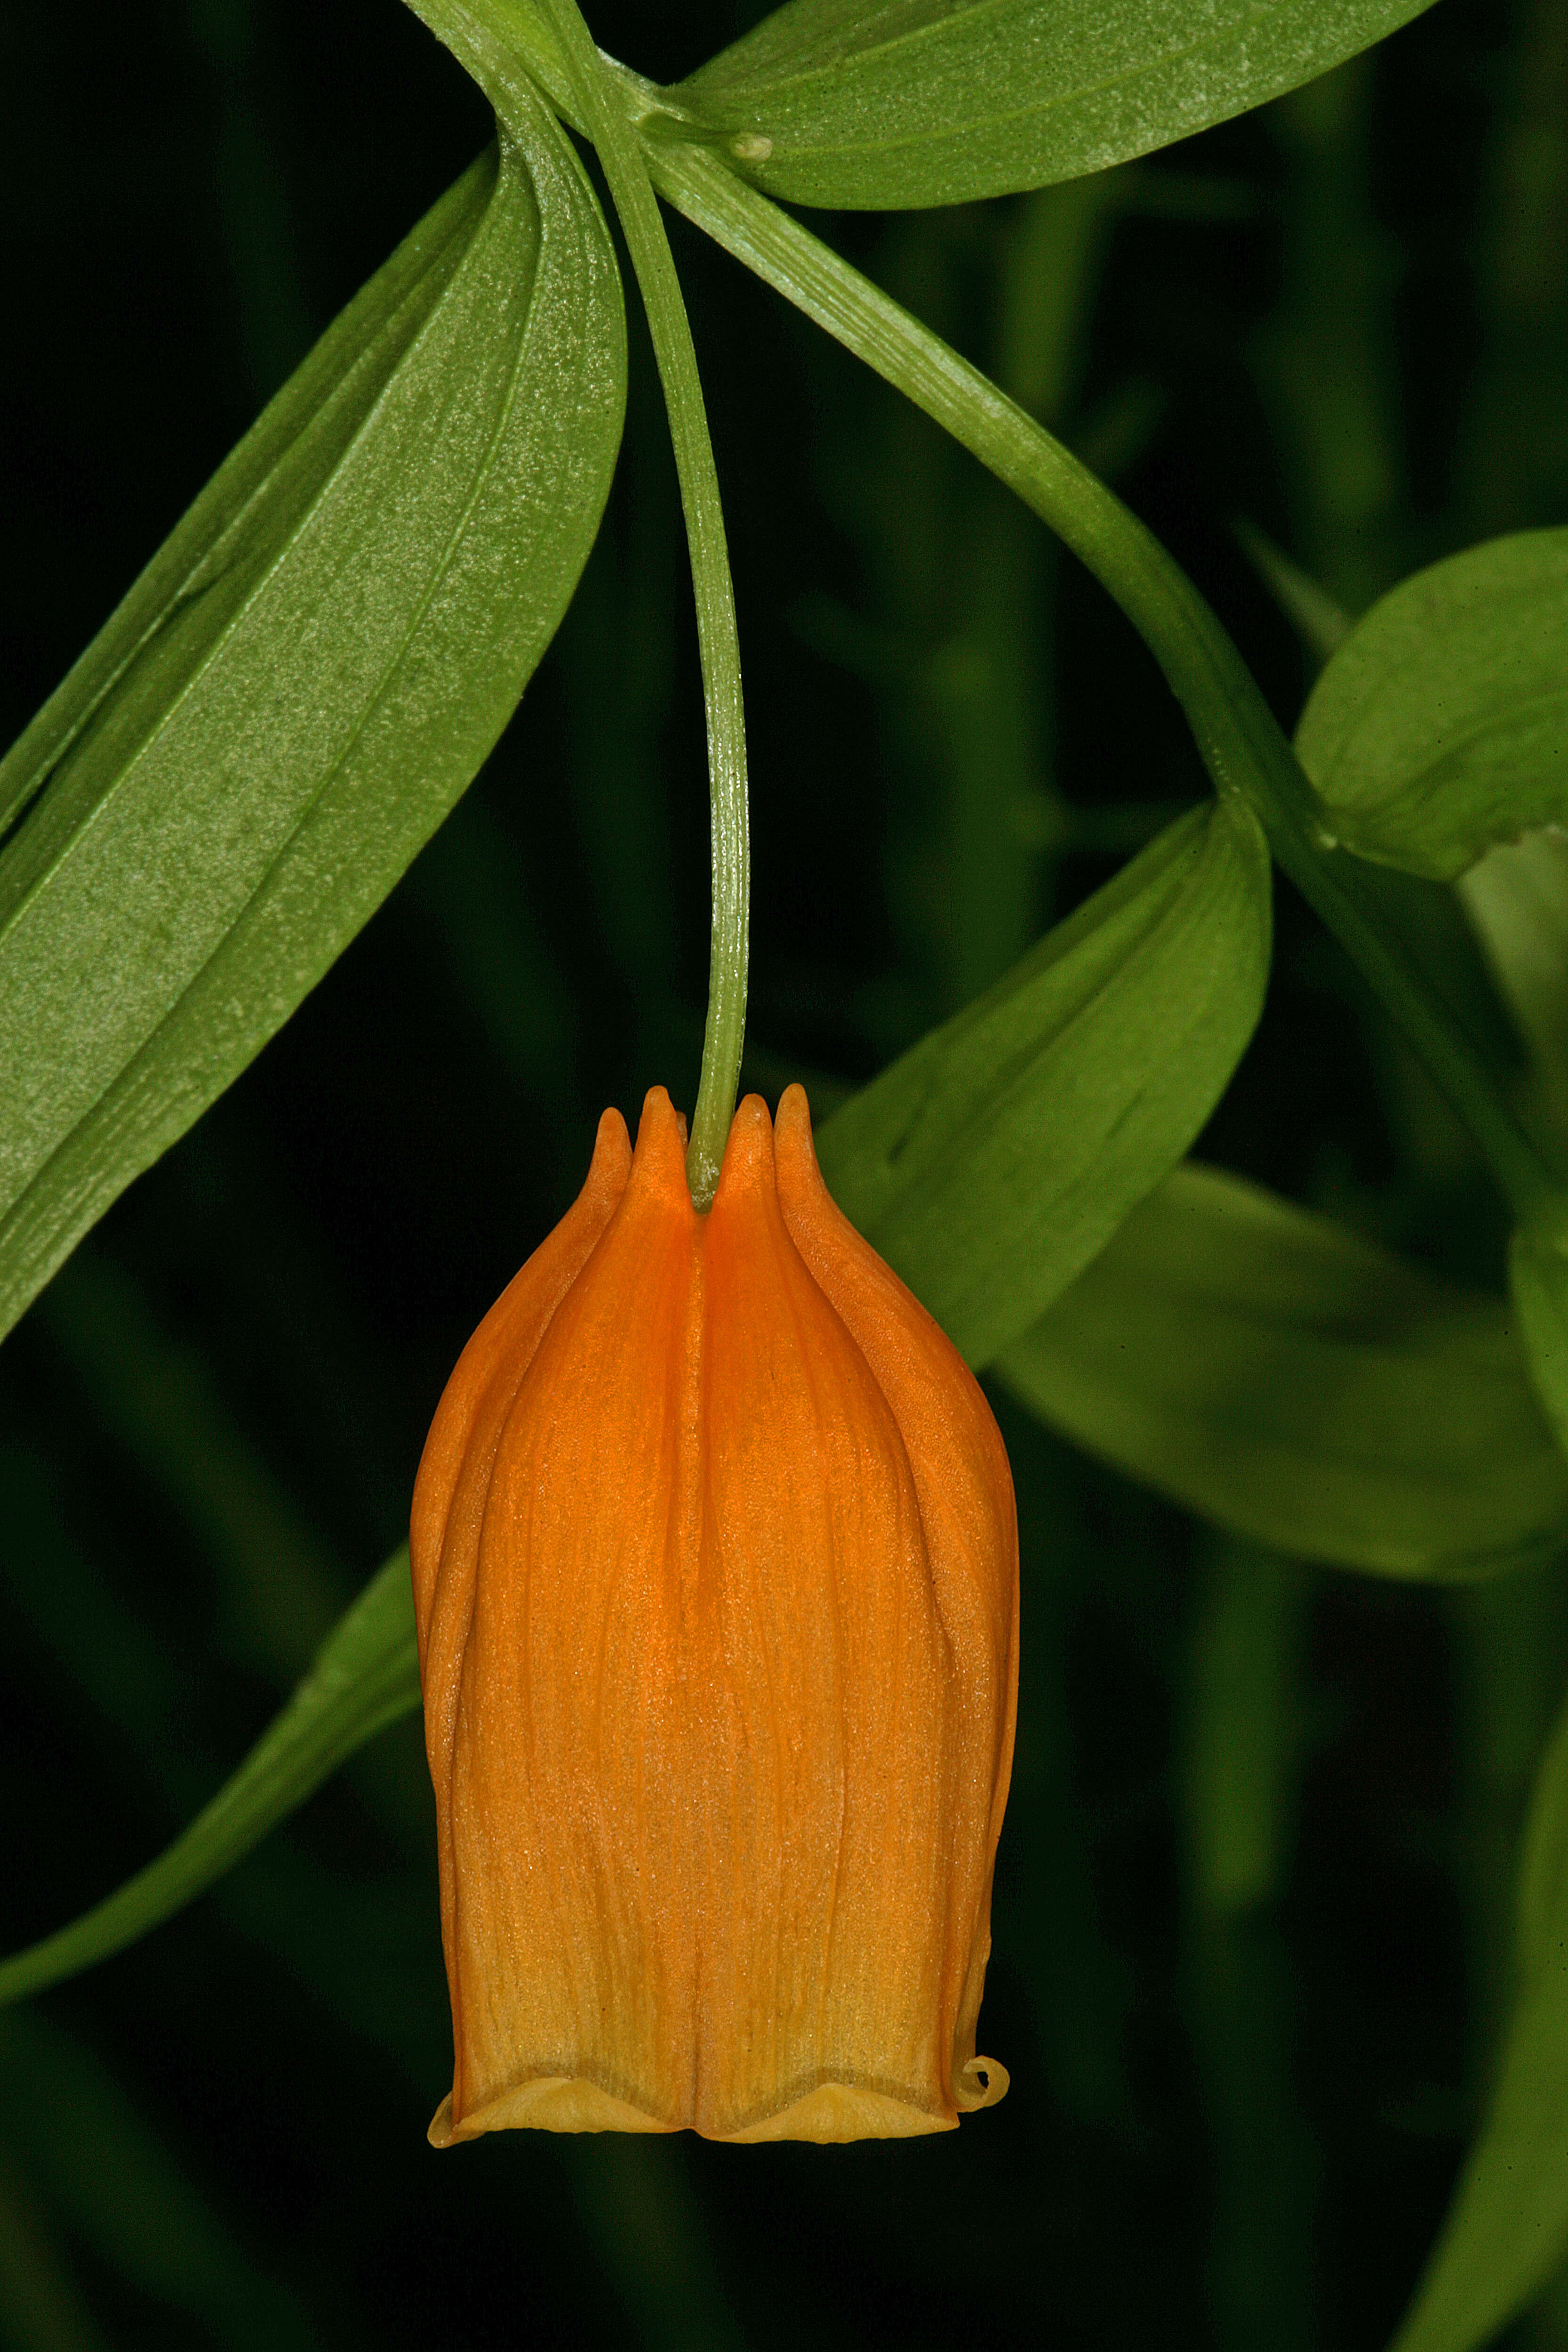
x=659, y=1161
x=611, y=1129
x=801, y=1188
x=792, y=1129
x=749, y=1151
x=612, y=1162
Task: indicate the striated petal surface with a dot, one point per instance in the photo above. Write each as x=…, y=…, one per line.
x=716, y=1572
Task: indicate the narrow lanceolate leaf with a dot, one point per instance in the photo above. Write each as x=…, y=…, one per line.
x=999, y=1155
x=1294, y=1383
x=899, y=102
x=365, y=1677
x=300, y=685
x=1507, y=2230
x=1440, y=725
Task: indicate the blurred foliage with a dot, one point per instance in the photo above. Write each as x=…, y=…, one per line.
x=1254, y=1912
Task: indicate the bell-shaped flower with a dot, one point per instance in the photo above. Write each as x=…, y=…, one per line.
x=715, y=1566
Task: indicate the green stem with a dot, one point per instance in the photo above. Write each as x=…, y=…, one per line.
x=1241, y=743
x=625, y=169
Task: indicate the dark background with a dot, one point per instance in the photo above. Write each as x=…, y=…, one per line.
x=1252, y=1912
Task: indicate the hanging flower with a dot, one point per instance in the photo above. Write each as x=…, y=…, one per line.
x=715, y=1564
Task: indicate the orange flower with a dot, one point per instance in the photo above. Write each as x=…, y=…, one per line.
x=715, y=1564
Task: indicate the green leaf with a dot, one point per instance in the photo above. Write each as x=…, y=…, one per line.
x=494, y=39
x=365, y=1677
x=907, y=102
x=992, y=1161
x=1236, y=733
x=1232, y=726
x=299, y=686
x=1440, y=725
x=1506, y=2228
x=1292, y=1382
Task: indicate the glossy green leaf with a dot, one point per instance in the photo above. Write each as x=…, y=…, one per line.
x=365, y=1677
x=906, y=102
x=1507, y=2229
x=299, y=688
x=1440, y=725
x=1291, y=1381
x=992, y=1161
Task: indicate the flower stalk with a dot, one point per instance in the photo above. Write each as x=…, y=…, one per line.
x=599, y=108
x=1240, y=743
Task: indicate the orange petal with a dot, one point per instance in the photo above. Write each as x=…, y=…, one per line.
x=717, y=1565
x=969, y=1520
